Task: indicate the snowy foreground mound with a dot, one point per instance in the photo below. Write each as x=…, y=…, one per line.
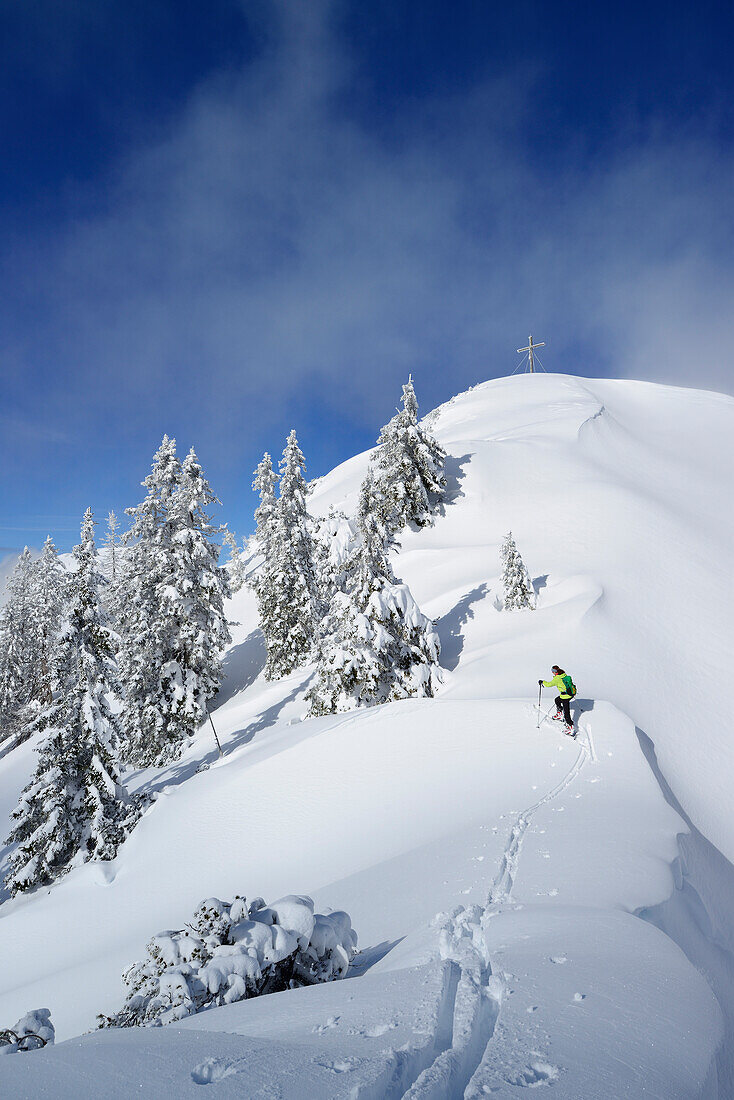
x=585, y=941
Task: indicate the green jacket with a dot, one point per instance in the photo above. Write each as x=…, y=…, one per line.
x=557, y=682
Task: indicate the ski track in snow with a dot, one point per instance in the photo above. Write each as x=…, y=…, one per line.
x=472, y=993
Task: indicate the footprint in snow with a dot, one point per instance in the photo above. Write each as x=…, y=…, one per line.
x=338, y=1065
x=535, y=1074
x=211, y=1070
x=379, y=1029
x=333, y=1021
x=559, y=959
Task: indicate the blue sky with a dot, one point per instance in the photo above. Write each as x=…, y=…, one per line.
x=222, y=220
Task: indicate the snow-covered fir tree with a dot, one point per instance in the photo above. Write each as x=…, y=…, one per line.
x=172, y=620
x=286, y=588
x=111, y=544
x=408, y=469
x=265, y=484
x=516, y=583
x=29, y=632
x=235, y=566
x=333, y=543
x=18, y=668
x=50, y=592
x=144, y=572
x=74, y=809
x=376, y=645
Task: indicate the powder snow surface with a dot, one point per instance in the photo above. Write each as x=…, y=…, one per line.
x=594, y=955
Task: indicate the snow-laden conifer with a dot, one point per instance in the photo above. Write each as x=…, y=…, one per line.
x=285, y=586
x=18, y=637
x=29, y=632
x=516, y=583
x=112, y=542
x=172, y=619
x=74, y=808
x=146, y=569
x=265, y=484
x=408, y=469
x=375, y=645
x=236, y=571
x=50, y=592
x=333, y=544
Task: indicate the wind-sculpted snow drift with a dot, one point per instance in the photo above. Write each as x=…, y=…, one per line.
x=545, y=854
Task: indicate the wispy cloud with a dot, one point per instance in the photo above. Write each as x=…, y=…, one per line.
x=269, y=244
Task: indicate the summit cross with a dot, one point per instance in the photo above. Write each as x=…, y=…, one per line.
x=530, y=349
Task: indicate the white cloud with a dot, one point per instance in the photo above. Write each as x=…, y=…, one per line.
x=268, y=242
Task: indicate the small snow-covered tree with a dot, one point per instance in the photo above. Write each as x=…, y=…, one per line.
x=265, y=484
x=376, y=645
x=333, y=544
x=50, y=593
x=408, y=469
x=111, y=544
x=516, y=582
x=235, y=566
x=74, y=809
x=29, y=632
x=172, y=623
x=286, y=588
x=18, y=636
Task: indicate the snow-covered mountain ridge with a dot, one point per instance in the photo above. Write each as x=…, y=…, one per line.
x=619, y=498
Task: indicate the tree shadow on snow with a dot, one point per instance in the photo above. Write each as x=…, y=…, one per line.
x=366, y=959
x=4, y=871
x=177, y=773
x=268, y=718
x=455, y=473
x=449, y=626
x=242, y=666
x=539, y=583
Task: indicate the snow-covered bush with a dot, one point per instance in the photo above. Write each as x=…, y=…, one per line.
x=516, y=582
x=231, y=951
x=32, y=1031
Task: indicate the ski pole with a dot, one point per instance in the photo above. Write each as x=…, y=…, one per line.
x=540, y=692
x=214, y=731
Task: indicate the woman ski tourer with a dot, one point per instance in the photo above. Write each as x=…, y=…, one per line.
x=566, y=692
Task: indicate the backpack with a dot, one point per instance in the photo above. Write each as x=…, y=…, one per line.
x=569, y=686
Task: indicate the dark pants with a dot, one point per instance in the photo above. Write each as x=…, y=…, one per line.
x=566, y=704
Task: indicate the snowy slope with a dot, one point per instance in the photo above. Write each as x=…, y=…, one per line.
x=618, y=496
